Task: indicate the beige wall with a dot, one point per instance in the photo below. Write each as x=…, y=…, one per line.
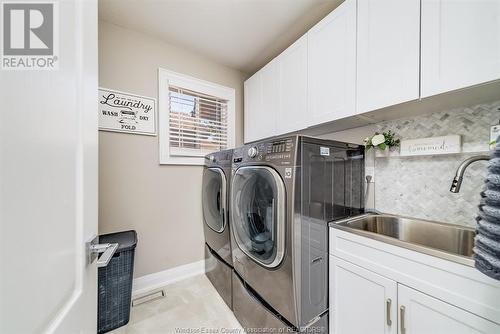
x=162, y=203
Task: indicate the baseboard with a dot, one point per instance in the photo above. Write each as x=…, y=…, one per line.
x=157, y=280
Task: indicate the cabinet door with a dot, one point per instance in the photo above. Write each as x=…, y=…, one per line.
x=388, y=53
x=261, y=103
x=253, y=99
x=361, y=301
x=270, y=100
x=423, y=314
x=460, y=44
x=292, y=67
x=332, y=65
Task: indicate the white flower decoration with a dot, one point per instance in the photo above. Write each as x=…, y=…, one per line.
x=378, y=139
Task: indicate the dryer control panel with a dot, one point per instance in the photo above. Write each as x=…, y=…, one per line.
x=219, y=159
x=278, y=151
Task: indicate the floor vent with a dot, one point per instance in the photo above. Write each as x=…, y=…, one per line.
x=148, y=298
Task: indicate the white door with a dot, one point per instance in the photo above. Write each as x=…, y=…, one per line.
x=388, y=69
x=48, y=192
x=361, y=301
x=332, y=65
x=460, y=44
x=422, y=314
x=292, y=67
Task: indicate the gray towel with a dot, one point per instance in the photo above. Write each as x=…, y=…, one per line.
x=492, y=211
x=490, y=197
x=493, y=180
x=482, y=216
x=487, y=245
x=495, y=154
x=487, y=240
x=494, y=165
x=490, y=230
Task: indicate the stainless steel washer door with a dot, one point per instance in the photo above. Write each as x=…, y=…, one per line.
x=258, y=214
x=214, y=199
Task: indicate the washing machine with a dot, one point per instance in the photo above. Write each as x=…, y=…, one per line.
x=283, y=194
x=215, y=197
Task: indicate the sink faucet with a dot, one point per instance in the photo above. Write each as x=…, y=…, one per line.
x=459, y=176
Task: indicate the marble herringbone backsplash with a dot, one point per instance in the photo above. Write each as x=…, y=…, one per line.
x=419, y=186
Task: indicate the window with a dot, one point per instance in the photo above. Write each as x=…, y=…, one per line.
x=196, y=118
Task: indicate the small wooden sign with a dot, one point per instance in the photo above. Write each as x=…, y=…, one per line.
x=431, y=146
x=124, y=112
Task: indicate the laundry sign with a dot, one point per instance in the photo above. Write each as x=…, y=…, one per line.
x=124, y=112
x=431, y=146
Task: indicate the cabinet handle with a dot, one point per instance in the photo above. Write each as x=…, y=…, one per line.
x=402, y=316
x=318, y=259
x=388, y=304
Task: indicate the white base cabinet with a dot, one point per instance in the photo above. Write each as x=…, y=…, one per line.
x=423, y=314
x=379, y=288
x=361, y=301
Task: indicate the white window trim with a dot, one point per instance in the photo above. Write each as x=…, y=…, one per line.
x=167, y=78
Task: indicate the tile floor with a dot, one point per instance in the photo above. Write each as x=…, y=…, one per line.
x=190, y=306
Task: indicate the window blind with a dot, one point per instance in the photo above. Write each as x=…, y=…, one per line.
x=198, y=123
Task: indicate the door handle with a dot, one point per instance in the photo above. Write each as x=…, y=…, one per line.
x=94, y=249
x=388, y=304
x=402, y=316
x=107, y=250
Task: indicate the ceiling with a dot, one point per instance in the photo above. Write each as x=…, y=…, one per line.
x=241, y=34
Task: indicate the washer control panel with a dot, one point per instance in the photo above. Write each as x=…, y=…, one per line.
x=280, y=150
x=281, y=146
x=253, y=151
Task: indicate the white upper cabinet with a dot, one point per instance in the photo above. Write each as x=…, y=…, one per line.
x=423, y=314
x=388, y=53
x=270, y=100
x=261, y=101
x=292, y=67
x=332, y=65
x=371, y=54
x=276, y=96
x=360, y=300
x=252, y=101
x=460, y=44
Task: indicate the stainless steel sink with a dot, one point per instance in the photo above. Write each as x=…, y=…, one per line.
x=448, y=241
